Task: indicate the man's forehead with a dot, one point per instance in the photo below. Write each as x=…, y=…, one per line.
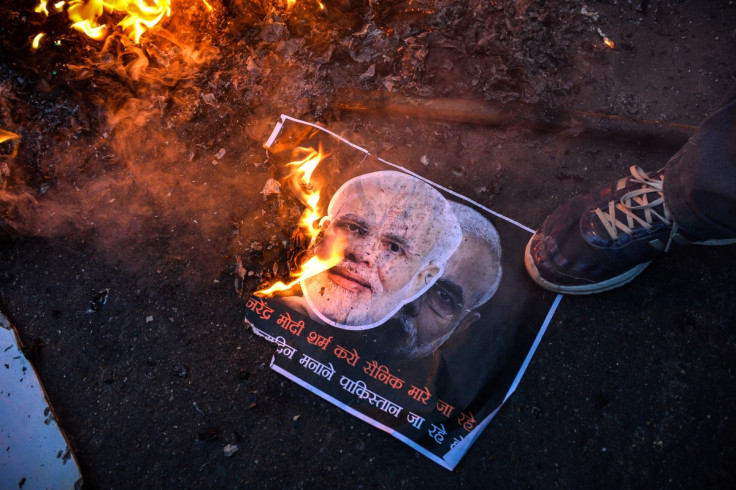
x=402, y=203
x=471, y=267
x=402, y=217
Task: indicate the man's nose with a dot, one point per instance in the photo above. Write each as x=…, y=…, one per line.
x=362, y=250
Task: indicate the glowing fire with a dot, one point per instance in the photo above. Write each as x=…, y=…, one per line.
x=606, y=40
x=291, y=3
x=8, y=136
x=37, y=40
x=139, y=15
x=309, y=222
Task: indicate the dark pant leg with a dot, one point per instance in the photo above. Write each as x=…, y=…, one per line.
x=700, y=180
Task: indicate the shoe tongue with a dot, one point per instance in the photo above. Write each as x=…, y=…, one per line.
x=599, y=229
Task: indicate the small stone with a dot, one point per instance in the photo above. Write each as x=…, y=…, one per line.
x=230, y=449
x=180, y=371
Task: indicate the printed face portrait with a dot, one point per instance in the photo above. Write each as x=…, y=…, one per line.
x=471, y=277
x=395, y=233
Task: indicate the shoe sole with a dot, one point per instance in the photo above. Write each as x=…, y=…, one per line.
x=603, y=286
x=715, y=243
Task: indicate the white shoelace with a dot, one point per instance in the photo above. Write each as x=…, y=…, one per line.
x=638, y=200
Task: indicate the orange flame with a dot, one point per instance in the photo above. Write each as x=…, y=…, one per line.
x=140, y=15
x=37, y=40
x=608, y=43
x=8, y=136
x=41, y=8
x=290, y=4
x=309, y=222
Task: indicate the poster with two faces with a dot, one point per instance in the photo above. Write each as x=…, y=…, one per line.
x=408, y=304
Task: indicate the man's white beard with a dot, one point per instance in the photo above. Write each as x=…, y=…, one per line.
x=410, y=349
x=352, y=310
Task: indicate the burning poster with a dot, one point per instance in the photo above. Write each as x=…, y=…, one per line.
x=407, y=304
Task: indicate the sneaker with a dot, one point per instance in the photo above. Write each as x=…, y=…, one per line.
x=605, y=238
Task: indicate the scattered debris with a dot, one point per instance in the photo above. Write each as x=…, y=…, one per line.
x=272, y=187
x=180, y=371
x=209, y=434
x=98, y=300
x=230, y=449
x=209, y=99
x=252, y=400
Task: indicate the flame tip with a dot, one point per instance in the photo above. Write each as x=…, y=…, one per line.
x=310, y=221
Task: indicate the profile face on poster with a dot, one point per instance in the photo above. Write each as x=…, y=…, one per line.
x=470, y=278
x=395, y=234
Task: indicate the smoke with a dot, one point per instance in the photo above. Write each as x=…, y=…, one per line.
x=131, y=149
x=155, y=149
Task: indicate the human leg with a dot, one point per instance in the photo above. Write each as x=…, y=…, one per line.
x=700, y=180
x=603, y=239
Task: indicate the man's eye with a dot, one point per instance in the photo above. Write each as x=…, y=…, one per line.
x=443, y=302
x=351, y=227
x=395, y=248
x=445, y=298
